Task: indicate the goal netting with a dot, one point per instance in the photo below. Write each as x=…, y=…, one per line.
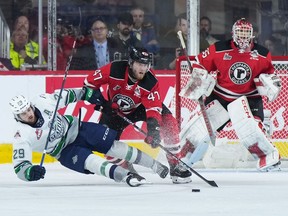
x=228, y=152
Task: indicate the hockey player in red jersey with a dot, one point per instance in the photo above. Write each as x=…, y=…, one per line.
x=134, y=91
x=241, y=65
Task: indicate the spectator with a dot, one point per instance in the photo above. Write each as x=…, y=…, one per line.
x=257, y=35
x=170, y=46
x=205, y=29
x=23, y=22
x=275, y=46
x=62, y=54
x=97, y=53
x=144, y=31
x=22, y=50
x=125, y=38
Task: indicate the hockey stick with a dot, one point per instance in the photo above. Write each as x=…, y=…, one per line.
x=212, y=183
x=200, y=101
x=60, y=93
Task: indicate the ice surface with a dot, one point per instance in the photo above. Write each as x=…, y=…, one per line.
x=67, y=193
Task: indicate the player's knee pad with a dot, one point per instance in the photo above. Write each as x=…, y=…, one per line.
x=247, y=128
x=195, y=130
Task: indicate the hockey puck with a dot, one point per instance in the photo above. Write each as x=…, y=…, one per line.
x=195, y=190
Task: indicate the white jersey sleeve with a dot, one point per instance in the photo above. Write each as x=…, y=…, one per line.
x=67, y=96
x=28, y=139
x=22, y=152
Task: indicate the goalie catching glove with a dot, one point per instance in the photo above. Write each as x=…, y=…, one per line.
x=268, y=85
x=201, y=83
x=153, y=135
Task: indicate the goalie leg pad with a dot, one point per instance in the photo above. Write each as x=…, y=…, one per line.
x=249, y=132
x=196, y=132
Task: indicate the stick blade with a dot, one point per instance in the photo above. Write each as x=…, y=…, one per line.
x=212, y=183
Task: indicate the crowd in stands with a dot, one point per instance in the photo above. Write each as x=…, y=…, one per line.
x=108, y=41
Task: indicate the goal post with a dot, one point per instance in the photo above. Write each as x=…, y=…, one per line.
x=227, y=141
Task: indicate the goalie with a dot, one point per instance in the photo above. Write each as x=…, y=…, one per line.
x=244, y=74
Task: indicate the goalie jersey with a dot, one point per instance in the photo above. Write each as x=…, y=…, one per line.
x=236, y=71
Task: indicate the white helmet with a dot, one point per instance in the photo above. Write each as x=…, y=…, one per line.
x=19, y=104
x=242, y=33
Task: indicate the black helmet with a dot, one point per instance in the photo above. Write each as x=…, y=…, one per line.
x=139, y=55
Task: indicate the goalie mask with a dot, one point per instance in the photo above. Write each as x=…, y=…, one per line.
x=19, y=104
x=242, y=33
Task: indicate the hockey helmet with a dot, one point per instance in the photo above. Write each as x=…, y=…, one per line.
x=19, y=104
x=139, y=55
x=242, y=33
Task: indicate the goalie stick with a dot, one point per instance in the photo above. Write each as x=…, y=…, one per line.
x=200, y=101
x=60, y=93
x=210, y=182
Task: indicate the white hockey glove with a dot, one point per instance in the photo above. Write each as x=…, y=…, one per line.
x=268, y=85
x=201, y=83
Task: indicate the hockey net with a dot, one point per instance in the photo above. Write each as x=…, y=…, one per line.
x=228, y=152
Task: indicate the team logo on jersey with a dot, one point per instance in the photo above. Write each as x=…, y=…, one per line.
x=124, y=102
x=227, y=56
x=254, y=55
x=128, y=87
x=137, y=92
x=58, y=129
x=240, y=73
x=38, y=133
x=117, y=87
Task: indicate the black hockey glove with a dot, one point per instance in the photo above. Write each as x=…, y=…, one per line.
x=108, y=108
x=153, y=133
x=35, y=172
x=92, y=96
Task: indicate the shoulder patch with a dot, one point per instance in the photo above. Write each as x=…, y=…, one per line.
x=17, y=134
x=148, y=82
x=263, y=51
x=118, y=69
x=223, y=45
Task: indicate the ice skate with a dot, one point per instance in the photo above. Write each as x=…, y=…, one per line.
x=160, y=169
x=134, y=180
x=180, y=175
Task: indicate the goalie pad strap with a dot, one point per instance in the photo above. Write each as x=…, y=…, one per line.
x=247, y=129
